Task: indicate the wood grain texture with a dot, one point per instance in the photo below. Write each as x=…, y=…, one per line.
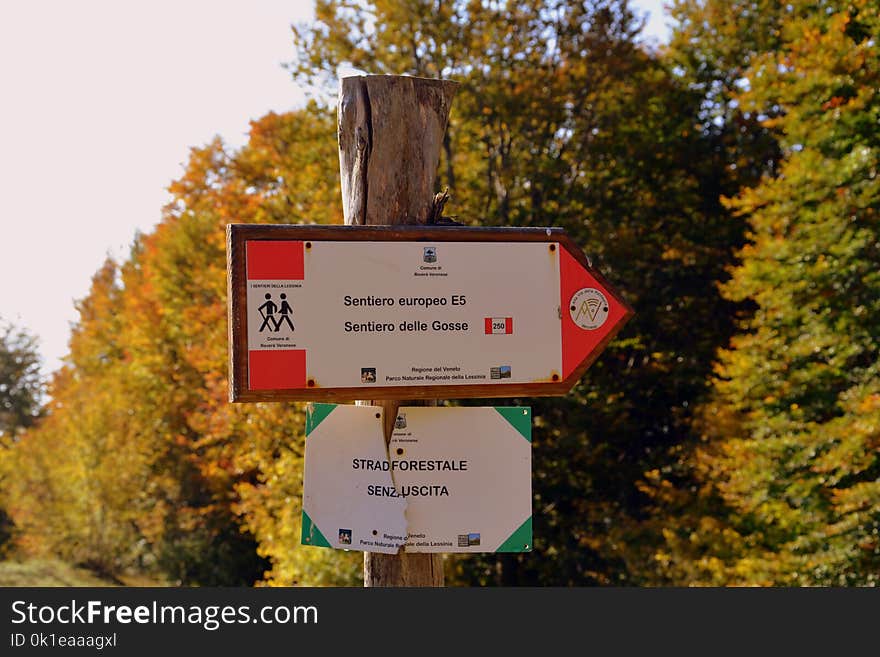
x=390, y=131
x=403, y=569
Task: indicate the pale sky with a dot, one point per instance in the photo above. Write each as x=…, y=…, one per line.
x=100, y=102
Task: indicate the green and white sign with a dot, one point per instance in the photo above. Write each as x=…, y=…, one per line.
x=451, y=479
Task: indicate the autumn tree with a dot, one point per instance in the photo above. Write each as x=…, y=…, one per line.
x=73, y=484
x=252, y=454
x=792, y=425
x=153, y=457
x=712, y=45
x=21, y=384
x=21, y=390
x=563, y=119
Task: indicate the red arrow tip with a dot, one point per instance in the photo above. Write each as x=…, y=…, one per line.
x=591, y=314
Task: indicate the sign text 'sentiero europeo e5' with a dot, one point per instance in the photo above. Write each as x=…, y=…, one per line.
x=334, y=313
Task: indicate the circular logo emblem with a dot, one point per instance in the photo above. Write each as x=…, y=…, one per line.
x=588, y=308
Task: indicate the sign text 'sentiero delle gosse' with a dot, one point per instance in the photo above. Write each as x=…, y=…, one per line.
x=339, y=313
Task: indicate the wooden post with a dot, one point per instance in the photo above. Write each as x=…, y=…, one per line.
x=390, y=134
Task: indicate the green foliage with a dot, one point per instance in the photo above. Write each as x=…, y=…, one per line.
x=21, y=385
x=793, y=423
x=21, y=390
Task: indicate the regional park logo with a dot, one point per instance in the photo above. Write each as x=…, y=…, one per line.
x=588, y=308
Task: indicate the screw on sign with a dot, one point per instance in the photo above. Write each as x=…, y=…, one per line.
x=498, y=312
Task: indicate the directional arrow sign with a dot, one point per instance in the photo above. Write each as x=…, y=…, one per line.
x=334, y=313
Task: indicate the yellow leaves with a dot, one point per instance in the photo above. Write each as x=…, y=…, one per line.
x=870, y=403
x=141, y=415
x=863, y=496
x=685, y=257
x=663, y=558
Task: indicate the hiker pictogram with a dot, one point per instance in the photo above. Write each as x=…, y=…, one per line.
x=270, y=320
x=267, y=312
x=286, y=312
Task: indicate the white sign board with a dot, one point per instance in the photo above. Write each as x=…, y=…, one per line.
x=451, y=480
x=399, y=314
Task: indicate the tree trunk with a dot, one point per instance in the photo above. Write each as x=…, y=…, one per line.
x=390, y=134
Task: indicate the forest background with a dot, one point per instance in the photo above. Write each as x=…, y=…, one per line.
x=727, y=183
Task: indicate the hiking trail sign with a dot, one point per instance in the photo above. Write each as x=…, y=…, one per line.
x=434, y=488
x=335, y=313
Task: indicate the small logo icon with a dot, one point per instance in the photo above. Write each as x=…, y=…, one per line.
x=430, y=254
x=468, y=540
x=368, y=375
x=500, y=372
x=588, y=308
x=400, y=422
x=345, y=536
x=498, y=325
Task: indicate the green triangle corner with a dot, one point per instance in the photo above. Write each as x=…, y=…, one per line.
x=316, y=414
x=520, y=418
x=520, y=540
x=311, y=535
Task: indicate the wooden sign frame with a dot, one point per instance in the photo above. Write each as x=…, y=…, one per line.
x=238, y=234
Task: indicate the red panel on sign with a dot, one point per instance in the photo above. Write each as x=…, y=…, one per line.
x=277, y=369
x=275, y=260
x=577, y=342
